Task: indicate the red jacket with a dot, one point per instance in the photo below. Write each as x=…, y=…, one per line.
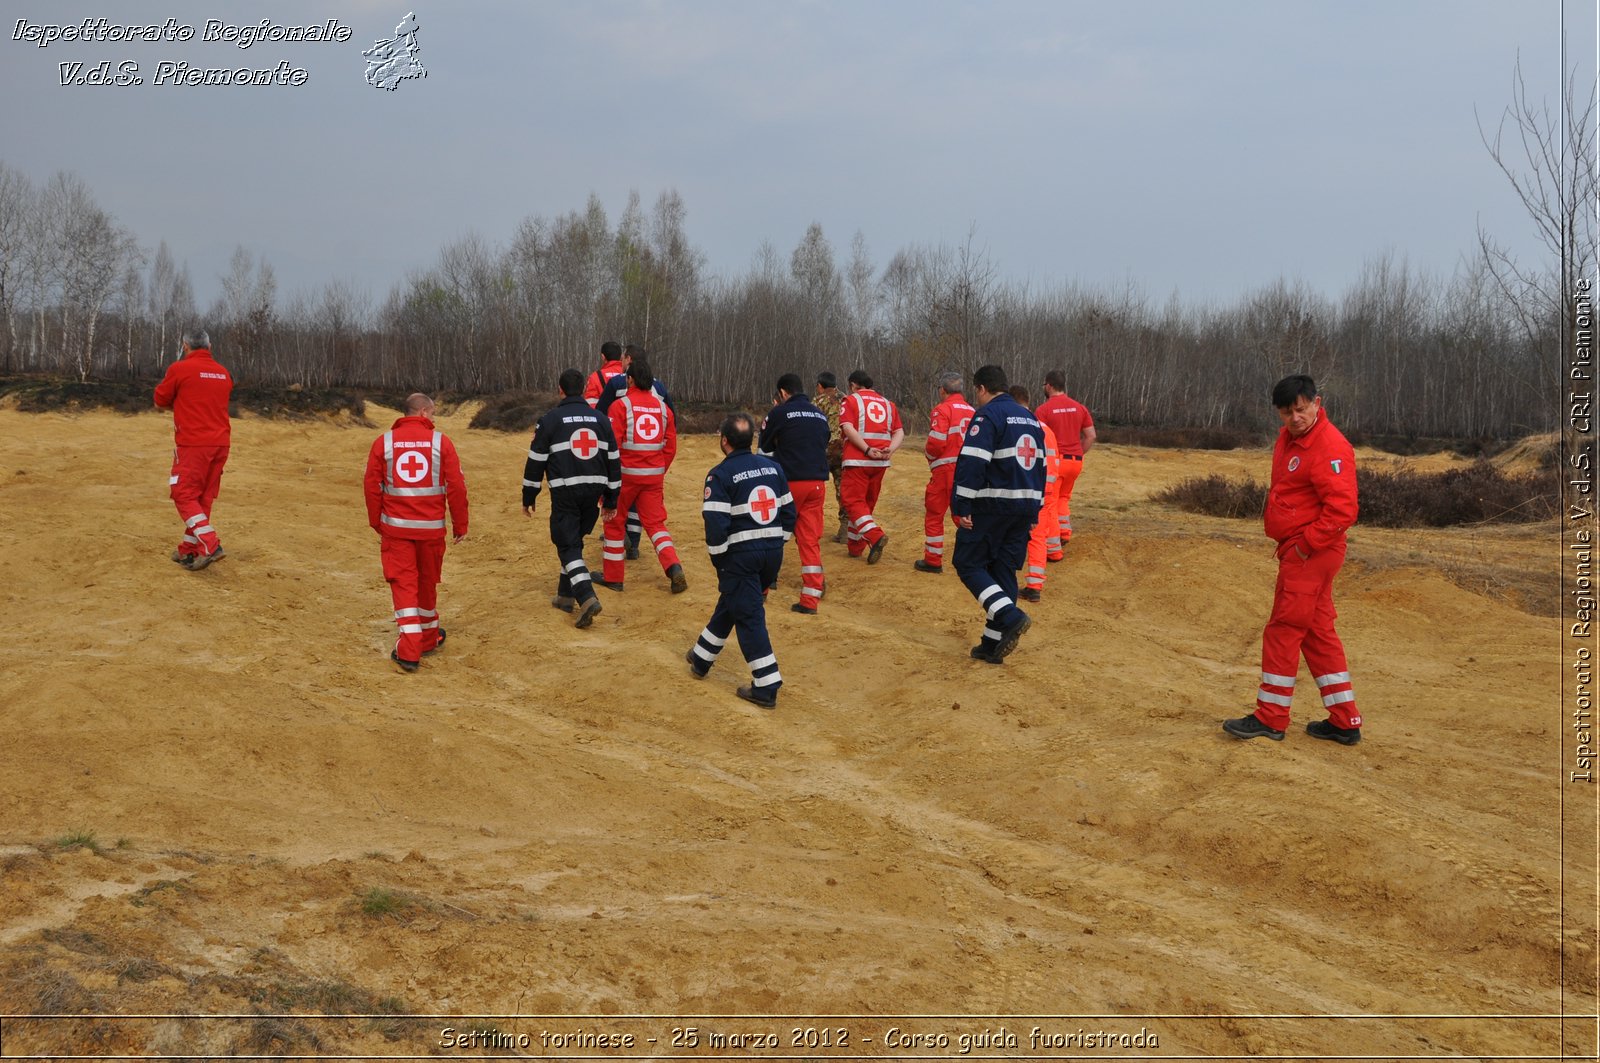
x=597, y=381
x=946, y=429
x=1067, y=418
x=876, y=418
x=1313, y=492
x=412, y=471
x=197, y=388
x=647, y=434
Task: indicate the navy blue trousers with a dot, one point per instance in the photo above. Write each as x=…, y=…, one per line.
x=987, y=558
x=740, y=606
x=572, y=516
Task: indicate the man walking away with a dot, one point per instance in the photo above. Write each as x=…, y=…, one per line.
x=947, y=427
x=872, y=433
x=197, y=388
x=795, y=435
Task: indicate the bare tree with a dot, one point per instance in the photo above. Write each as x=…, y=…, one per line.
x=16, y=198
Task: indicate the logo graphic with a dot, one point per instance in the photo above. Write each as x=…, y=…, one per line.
x=1336, y=462
x=1294, y=463
x=1027, y=452
x=391, y=62
x=412, y=466
x=763, y=503
x=877, y=412
x=974, y=430
x=585, y=443
x=646, y=428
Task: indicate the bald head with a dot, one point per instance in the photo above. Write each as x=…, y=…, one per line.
x=417, y=403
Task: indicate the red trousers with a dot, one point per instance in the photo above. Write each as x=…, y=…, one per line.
x=1302, y=622
x=644, y=496
x=1043, y=532
x=935, y=504
x=858, y=490
x=412, y=567
x=1070, y=471
x=810, y=498
x=196, y=478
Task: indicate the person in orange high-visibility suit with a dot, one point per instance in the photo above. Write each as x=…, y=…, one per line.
x=610, y=366
x=1311, y=503
x=947, y=427
x=647, y=435
x=196, y=387
x=1073, y=426
x=413, y=475
x=870, y=425
x=1044, y=532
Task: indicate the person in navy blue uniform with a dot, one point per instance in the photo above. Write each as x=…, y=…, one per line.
x=612, y=390
x=999, y=487
x=749, y=514
x=795, y=435
x=574, y=447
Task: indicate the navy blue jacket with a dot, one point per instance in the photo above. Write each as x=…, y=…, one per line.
x=591, y=462
x=795, y=435
x=747, y=507
x=616, y=386
x=1001, y=467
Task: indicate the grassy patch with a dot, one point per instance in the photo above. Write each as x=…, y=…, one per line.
x=1479, y=493
x=79, y=839
x=381, y=903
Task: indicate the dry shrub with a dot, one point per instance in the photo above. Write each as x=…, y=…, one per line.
x=1479, y=493
x=512, y=411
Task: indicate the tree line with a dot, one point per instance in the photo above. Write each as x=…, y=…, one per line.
x=1399, y=352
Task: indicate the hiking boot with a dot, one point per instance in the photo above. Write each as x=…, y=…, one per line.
x=608, y=585
x=587, y=612
x=1251, y=727
x=563, y=603
x=980, y=652
x=202, y=560
x=1345, y=736
x=436, y=646
x=801, y=607
x=1057, y=559
x=182, y=558
x=922, y=566
x=405, y=665
x=766, y=699
x=632, y=552
x=1029, y=594
x=694, y=665
x=1010, y=635
x=840, y=535
x=875, y=551
x=680, y=582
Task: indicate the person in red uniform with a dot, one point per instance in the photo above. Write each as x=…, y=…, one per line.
x=1039, y=538
x=196, y=388
x=1310, y=505
x=870, y=425
x=947, y=427
x=413, y=475
x=1073, y=426
x=647, y=435
x=610, y=366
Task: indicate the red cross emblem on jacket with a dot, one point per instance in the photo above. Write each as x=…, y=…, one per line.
x=585, y=443
x=763, y=504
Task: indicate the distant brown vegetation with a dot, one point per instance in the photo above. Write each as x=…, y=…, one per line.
x=1480, y=493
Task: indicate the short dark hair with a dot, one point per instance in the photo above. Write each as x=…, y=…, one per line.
x=1020, y=393
x=1056, y=379
x=861, y=379
x=827, y=379
x=611, y=349
x=1290, y=388
x=790, y=382
x=571, y=382
x=639, y=372
x=990, y=378
x=632, y=350
x=739, y=429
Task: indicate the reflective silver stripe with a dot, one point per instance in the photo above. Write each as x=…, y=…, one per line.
x=204, y=529
x=198, y=518
x=574, y=481
x=437, y=446
x=977, y=452
x=578, y=577
x=716, y=507
x=1000, y=492
x=534, y=455
x=936, y=551
x=763, y=662
x=407, y=612
x=1277, y=680
x=574, y=566
x=754, y=533
x=770, y=679
x=942, y=461
x=990, y=633
x=709, y=637
x=1339, y=699
x=415, y=492
x=865, y=463
x=806, y=570
x=647, y=447
x=657, y=471
x=1333, y=677
x=938, y=435
x=601, y=446
x=400, y=522
x=529, y=483
x=410, y=629
x=700, y=651
x=810, y=592
x=658, y=536
x=1269, y=698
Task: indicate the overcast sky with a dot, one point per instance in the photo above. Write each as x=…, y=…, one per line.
x=1202, y=148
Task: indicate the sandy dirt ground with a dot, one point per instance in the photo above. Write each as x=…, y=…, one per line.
x=218, y=798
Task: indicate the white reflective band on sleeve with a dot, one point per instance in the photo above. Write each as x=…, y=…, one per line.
x=716, y=507
x=977, y=452
x=1270, y=698
x=400, y=522
x=937, y=435
x=534, y=455
x=171, y=480
x=1277, y=680
x=1339, y=699
x=529, y=483
x=1332, y=678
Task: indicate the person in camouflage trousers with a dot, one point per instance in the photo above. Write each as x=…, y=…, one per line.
x=830, y=402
